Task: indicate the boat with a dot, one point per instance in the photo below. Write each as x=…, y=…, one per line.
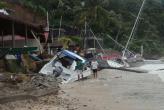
x=67, y=66
x=127, y=55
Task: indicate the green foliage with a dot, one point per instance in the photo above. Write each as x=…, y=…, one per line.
x=113, y=17
x=65, y=41
x=2, y=4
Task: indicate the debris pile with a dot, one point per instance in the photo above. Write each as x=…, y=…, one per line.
x=19, y=78
x=41, y=82
x=19, y=87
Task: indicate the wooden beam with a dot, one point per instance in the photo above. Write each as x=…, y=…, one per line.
x=13, y=34
x=26, y=34
x=52, y=37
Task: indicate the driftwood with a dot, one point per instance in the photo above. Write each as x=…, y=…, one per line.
x=127, y=69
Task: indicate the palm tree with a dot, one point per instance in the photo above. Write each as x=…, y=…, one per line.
x=65, y=41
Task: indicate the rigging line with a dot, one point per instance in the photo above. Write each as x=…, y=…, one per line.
x=97, y=41
x=133, y=29
x=118, y=43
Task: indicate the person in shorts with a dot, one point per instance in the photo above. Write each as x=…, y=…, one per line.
x=94, y=67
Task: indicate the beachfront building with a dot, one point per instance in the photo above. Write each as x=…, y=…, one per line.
x=17, y=24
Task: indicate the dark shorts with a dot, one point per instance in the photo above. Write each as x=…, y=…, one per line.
x=94, y=70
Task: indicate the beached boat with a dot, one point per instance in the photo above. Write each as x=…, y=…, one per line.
x=68, y=66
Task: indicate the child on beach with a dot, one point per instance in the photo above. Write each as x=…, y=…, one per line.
x=94, y=67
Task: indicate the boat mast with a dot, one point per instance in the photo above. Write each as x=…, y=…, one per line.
x=134, y=27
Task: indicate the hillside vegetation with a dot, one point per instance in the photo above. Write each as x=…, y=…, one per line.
x=112, y=17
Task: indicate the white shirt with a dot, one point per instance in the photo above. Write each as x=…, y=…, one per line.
x=94, y=65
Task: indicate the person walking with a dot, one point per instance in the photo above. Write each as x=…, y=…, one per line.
x=94, y=67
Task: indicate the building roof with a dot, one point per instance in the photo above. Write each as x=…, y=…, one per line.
x=22, y=14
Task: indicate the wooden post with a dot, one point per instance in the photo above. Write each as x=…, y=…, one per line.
x=103, y=41
x=13, y=35
x=94, y=45
x=52, y=37
x=2, y=40
x=26, y=34
x=60, y=27
x=142, y=50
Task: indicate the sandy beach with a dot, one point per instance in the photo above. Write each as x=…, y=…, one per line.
x=117, y=90
x=113, y=90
